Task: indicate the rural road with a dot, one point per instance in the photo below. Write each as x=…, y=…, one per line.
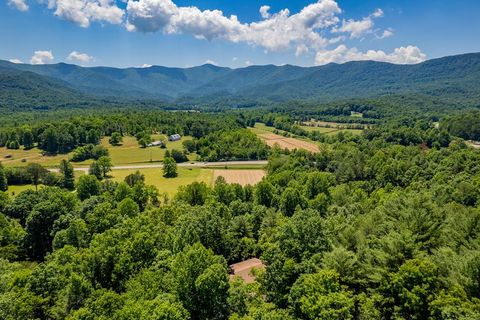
x=185, y=164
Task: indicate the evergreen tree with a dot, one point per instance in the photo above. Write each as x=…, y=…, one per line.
x=68, y=176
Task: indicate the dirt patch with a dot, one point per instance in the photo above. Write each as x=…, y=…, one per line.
x=244, y=269
x=288, y=143
x=242, y=177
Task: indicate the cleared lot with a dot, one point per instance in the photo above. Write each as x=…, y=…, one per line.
x=244, y=269
x=288, y=143
x=242, y=177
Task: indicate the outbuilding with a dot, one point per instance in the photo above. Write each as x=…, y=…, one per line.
x=174, y=137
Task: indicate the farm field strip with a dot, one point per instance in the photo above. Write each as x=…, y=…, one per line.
x=242, y=177
x=288, y=143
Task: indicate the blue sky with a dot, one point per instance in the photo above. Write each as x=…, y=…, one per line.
x=186, y=33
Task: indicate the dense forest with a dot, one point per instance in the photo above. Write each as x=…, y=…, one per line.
x=382, y=225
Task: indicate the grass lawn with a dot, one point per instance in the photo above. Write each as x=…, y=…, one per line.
x=15, y=190
x=154, y=176
x=131, y=153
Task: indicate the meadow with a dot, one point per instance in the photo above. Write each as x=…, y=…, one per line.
x=129, y=152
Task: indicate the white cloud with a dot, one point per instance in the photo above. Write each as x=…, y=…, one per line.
x=83, y=12
x=15, y=61
x=211, y=62
x=358, y=28
x=378, y=13
x=18, y=4
x=319, y=27
x=234, y=59
x=387, y=33
x=42, y=57
x=341, y=54
x=248, y=63
x=279, y=31
x=264, y=12
x=145, y=65
x=301, y=49
x=80, y=57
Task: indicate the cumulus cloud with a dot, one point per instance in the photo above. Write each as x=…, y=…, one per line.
x=80, y=57
x=358, y=28
x=319, y=29
x=387, y=33
x=276, y=32
x=402, y=55
x=42, y=57
x=15, y=61
x=83, y=12
x=264, y=12
x=18, y=4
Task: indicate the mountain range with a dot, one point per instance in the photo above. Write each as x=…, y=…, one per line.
x=453, y=77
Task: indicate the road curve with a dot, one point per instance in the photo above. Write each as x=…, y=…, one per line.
x=185, y=164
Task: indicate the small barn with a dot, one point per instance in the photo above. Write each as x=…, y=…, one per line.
x=174, y=137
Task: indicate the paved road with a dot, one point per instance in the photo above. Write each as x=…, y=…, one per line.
x=185, y=164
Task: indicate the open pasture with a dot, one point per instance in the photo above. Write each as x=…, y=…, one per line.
x=242, y=177
x=154, y=176
x=129, y=152
x=21, y=157
x=272, y=139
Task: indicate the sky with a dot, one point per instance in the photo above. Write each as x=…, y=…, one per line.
x=185, y=33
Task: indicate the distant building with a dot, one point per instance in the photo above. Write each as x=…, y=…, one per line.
x=158, y=143
x=174, y=137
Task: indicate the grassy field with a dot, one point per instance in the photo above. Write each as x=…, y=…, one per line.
x=130, y=152
x=319, y=129
x=127, y=153
x=153, y=176
x=170, y=186
x=20, y=157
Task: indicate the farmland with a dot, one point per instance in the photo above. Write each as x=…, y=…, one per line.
x=242, y=177
x=331, y=128
x=271, y=139
x=129, y=152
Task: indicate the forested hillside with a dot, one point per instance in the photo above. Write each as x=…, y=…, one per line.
x=446, y=80
x=382, y=225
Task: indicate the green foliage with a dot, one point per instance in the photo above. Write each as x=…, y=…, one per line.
x=68, y=176
x=383, y=225
x=87, y=186
x=320, y=296
x=3, y=179
x=231, y=145
x=115, y=139
x=169, y=167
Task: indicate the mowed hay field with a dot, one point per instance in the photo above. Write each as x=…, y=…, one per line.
x=272, y=139
x=266, y=133
x=154, y=176
x=242, y=177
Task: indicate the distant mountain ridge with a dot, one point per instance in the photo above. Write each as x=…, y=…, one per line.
x=456, y=76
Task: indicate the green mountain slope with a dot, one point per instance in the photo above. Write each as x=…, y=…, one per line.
x=450, y=78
